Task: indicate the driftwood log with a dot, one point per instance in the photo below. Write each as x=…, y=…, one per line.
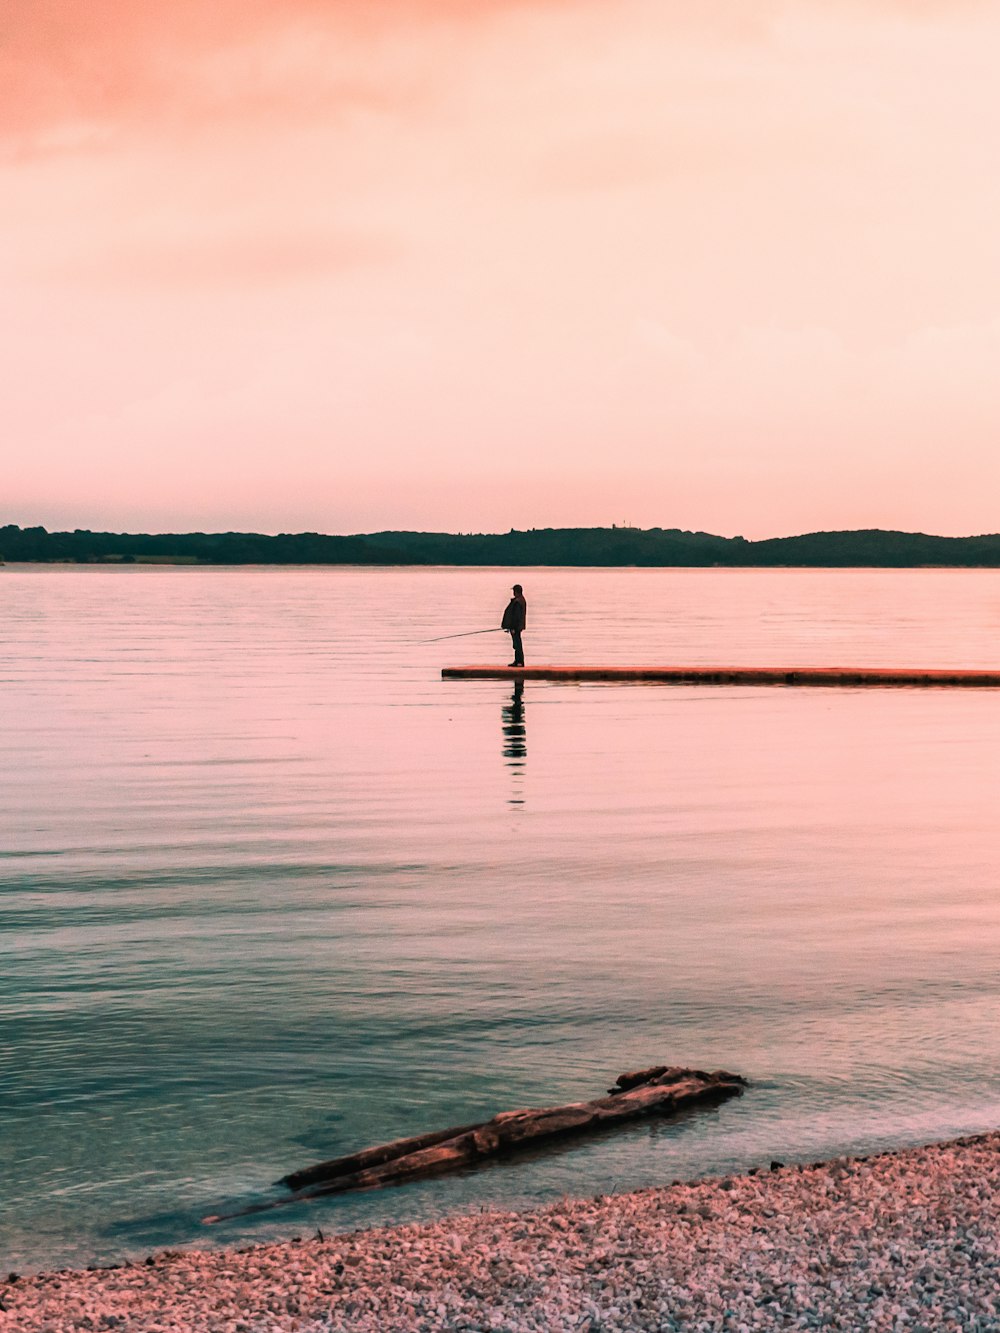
x=659, y=1090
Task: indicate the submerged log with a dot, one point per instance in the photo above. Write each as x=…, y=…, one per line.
x=659, y=1090
x=372, y=1157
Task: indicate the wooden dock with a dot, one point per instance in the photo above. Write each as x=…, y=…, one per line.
x=712, y=675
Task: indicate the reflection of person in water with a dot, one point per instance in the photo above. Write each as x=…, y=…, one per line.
x=514, y=620
x=515, y=744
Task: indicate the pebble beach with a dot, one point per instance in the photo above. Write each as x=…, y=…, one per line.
x=900, y=1241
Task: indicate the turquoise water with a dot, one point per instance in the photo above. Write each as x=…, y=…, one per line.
x=270, y=890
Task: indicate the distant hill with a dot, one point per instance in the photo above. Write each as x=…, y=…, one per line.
x=203, y=548
x=535, y=546
x=872, y=546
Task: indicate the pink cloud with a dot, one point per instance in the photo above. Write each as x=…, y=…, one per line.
x=224, y=259
x=103, y=60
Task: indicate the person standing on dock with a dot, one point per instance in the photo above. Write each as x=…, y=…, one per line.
x=514, y=620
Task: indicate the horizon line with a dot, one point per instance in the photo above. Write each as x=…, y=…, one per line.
x=440, y=532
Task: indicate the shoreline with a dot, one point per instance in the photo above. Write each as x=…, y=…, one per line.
x=906, y=1239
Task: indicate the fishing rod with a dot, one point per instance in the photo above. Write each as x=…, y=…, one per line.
x=494, y=629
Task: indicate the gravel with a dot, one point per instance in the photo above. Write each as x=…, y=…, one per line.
x=902, y=1241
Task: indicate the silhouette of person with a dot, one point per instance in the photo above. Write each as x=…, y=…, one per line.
x=514, y=620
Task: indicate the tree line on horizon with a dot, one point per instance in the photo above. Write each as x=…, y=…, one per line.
x=609, y=547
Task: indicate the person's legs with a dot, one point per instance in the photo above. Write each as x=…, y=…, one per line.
x=518, y=649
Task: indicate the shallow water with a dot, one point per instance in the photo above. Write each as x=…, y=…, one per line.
x=270, y=890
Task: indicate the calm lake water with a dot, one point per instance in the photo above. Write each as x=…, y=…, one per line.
x=271, y=890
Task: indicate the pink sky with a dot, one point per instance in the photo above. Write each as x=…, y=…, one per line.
x=474, y=264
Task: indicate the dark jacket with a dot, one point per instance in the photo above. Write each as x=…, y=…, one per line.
x=516, y=615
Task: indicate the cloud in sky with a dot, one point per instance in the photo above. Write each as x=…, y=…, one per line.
x=435, y=264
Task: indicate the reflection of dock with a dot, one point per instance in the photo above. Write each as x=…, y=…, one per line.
x=709, y=675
